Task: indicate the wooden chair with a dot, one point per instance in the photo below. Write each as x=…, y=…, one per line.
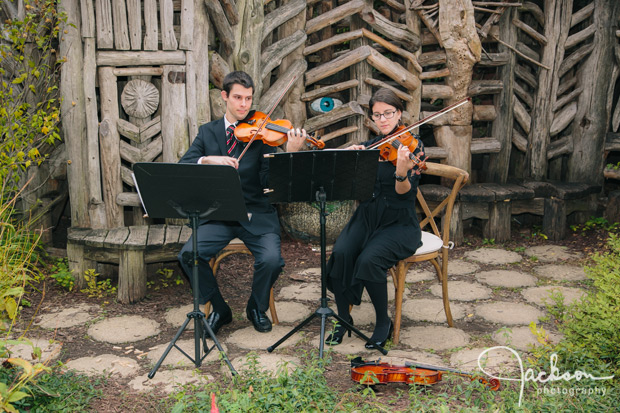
x=435, y=242
x=236, y=246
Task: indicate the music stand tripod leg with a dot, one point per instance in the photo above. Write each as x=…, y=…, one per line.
x=200, y=323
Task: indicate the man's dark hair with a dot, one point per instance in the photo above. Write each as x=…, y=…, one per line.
x=237, y=77
x=388, y=96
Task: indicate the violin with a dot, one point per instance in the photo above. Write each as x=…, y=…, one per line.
x=273, y=133
x=376, y=372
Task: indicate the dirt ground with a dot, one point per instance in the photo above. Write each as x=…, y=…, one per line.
x=118, y=397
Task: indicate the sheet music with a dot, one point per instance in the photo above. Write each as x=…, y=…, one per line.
x=138, y=190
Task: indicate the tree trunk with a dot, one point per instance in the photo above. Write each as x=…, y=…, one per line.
x=248, y=35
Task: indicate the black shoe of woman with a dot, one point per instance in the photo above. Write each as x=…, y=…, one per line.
x=336, y=336
x=380, y=342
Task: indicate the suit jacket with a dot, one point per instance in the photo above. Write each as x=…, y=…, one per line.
x=253, y=172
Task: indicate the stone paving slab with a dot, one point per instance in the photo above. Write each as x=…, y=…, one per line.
x=461, y=267
x=302, y=291
x=521, y=338
x=493, y=256
x=105, y=363
x=50, y=350
x=435, y=338
x=167, y=381
x=508, y=313
x=542, y=295
x=176, y=359
x=552, y=253
x=124, y=329
x=363, y=314
x=390, y=290
x=176, y=316
x=506, y=278
x=353, y=345
x=250, y=339
x=67, y=317
x=428, y=309
x=269, y=362
x=400, y=357
x=495, y=361
x=463, y=291
x=561, y=272
x=415, y=275
x=292, y=312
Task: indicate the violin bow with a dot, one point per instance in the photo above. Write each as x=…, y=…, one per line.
x=421, y=122
x=260, y=127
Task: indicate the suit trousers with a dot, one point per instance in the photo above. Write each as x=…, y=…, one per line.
x=213, y=236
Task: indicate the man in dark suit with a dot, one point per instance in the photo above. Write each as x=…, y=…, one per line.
x=216, y=145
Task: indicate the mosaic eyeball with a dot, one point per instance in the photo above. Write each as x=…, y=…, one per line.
x=324, y=105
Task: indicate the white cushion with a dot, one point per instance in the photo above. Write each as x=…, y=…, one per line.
x=430, y=243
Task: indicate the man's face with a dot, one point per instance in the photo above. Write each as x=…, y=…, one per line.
x=238, y=102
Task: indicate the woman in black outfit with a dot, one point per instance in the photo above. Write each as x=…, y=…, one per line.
x=382, y=231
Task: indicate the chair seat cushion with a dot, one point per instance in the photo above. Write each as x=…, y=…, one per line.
x=430, y=243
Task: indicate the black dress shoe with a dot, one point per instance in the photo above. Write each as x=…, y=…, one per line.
x=337, y=335
x=382, y=342
x=218, y=320
x=261, y=323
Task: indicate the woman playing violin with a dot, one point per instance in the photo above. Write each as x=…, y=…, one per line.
x=382, y=231
x=217, y=145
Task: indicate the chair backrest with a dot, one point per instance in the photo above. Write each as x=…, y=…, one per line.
x=459, y=178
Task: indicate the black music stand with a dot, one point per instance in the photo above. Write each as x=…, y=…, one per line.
x=196, y=192
x=328, y=175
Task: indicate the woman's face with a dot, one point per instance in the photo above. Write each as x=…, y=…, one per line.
x=385, y=116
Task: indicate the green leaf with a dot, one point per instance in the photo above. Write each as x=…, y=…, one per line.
x=18, y=395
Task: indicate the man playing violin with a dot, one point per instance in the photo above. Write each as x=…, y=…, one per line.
x=217, y=145
x=382, y=231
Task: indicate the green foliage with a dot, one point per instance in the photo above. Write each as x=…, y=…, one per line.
x=29, y=106
x=488, y=241
x=255, y=390
x=97, y=289
x=62, y=274
x=12, y=391
x=168, y=278
x=612, y=166
x=537, y=233
x=596, y=223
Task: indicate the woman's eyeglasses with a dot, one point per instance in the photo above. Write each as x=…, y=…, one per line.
x=389, y=114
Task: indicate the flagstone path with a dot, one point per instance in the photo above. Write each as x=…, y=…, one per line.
x=494, y=297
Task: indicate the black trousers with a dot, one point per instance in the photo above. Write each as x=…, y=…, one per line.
x=212, y=238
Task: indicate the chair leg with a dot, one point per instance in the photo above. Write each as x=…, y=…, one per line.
x=272, y=308
x=399, y=274
x=442, y=273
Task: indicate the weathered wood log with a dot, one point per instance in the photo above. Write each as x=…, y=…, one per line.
x=127, y=178
x=485, y=145
x=128, y=130
x=430, y=25
x=335, y=134
x=173, y=114
x=151, y=30
x=563, y=118
x=96, y=207
x=435, y=152
x=485, y=87
x=563, y=146
x=219, y=69
x=281, y=15
x=540, y=38
x=527, y=52
x=432, y=58
x=596, y=76
x=576, y=57
x=140, y=58
x=434, y=91
x=110, y=161
x=269, y=98
x=379, y=84
x=410, y=57
x=497, y=227
x=272, y=56
x=535, y=11
x=566, y=99
x=435, y=74
x=579, y=37
x=362, y=70
x=453, y=139
x=396, y=5
x=218, y=106
x=566, y=84
x=334, y=15
x=134, y=20
x=88, y=18
x=336, y=65
x=554, y=219
x=519, y=141
x=246, y=55
x=103, y=16
x=168, y=38
x=230, y=9
x=493, y=59
x=485, y=113
x=610, y=173
x=222, y=26
x=186, y=41
x=133, y=154
x=191, y=94
x=130, y=199
x=395, y=31
x=582, y=14
x=202, y=27
x=137, y=71
x=121, y=31
x=523, y=95
x=612, y=210
x=328, y=90
x=524, y=74
x=615, y=119
x=150, y=129
x=132, y=286
x=333, y=40
x=337, y=114
x=140, y=99
x=393, y=70
x=522, y=116
x=72, y=107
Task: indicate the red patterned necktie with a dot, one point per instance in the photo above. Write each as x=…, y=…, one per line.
x=231, y=141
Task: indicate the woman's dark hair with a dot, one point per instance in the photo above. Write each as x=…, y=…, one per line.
x=237, y=77
x=388, y=96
